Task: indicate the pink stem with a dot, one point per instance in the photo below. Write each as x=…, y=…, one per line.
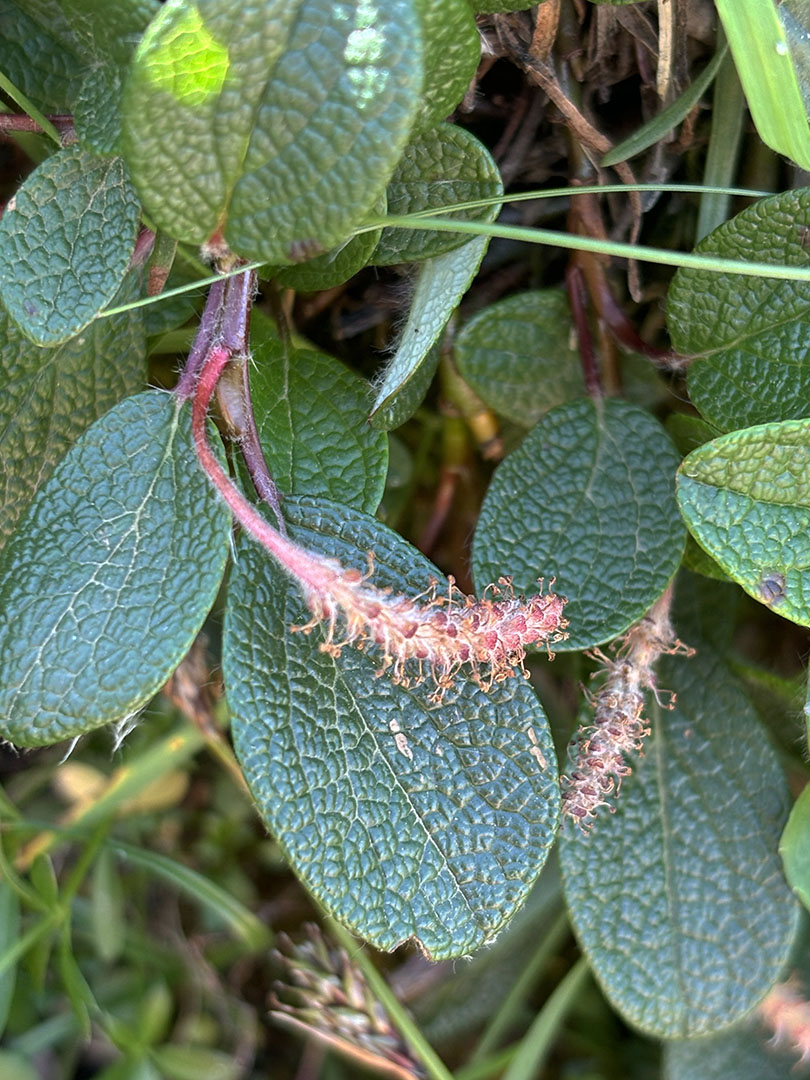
x=296, y=560
x=207, y=334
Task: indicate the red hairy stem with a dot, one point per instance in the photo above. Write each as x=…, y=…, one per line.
x=441, y=634
x=204, y=340
x=225, y=325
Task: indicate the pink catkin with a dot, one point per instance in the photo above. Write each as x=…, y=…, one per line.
x=441, y=634
x=599, y=751
x=786, y=1012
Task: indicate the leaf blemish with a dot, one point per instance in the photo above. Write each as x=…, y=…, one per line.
x=772, y=588
x=535, y=750
x=400, y=740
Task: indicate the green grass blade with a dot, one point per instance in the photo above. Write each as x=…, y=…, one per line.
x=538, y=1040
x=639, y=252
x=760, y=49
x=22, y=944
x=30, y=108
x=728, y=113
x=661, y=124
x=515, y=1000
x=244, y=924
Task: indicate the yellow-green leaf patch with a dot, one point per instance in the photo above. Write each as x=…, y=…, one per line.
x=746, y=500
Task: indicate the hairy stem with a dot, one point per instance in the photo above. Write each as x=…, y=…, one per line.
x=225, y=325
x=204, y=341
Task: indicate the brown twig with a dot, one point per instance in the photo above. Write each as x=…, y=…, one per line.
x=576, y=298
x=11, y=122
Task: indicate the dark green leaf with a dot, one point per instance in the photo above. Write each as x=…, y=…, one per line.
x=746, y=500
x=48, y=397
x=689, y=432
x=588, y=498
x=642, y=383
x=404, y=818
x=795, y=848
x=750, y=336
x=107, y=35
x=698, y=560
x=707, y=611
x=110, y=576
x=96, y=111
x=678, y=898
x=440, y=167
x=90, y=42
x=452, y=47
x=333, y=267
x=311, y=413
x=109, y=29
x=33, y=54
x=745, y=1053
x=410, y=394
x=66, y=241
x=285, y=119
x=440, y=285
x=517, y=355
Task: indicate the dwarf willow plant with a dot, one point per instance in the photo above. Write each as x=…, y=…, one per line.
x=380, y=716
